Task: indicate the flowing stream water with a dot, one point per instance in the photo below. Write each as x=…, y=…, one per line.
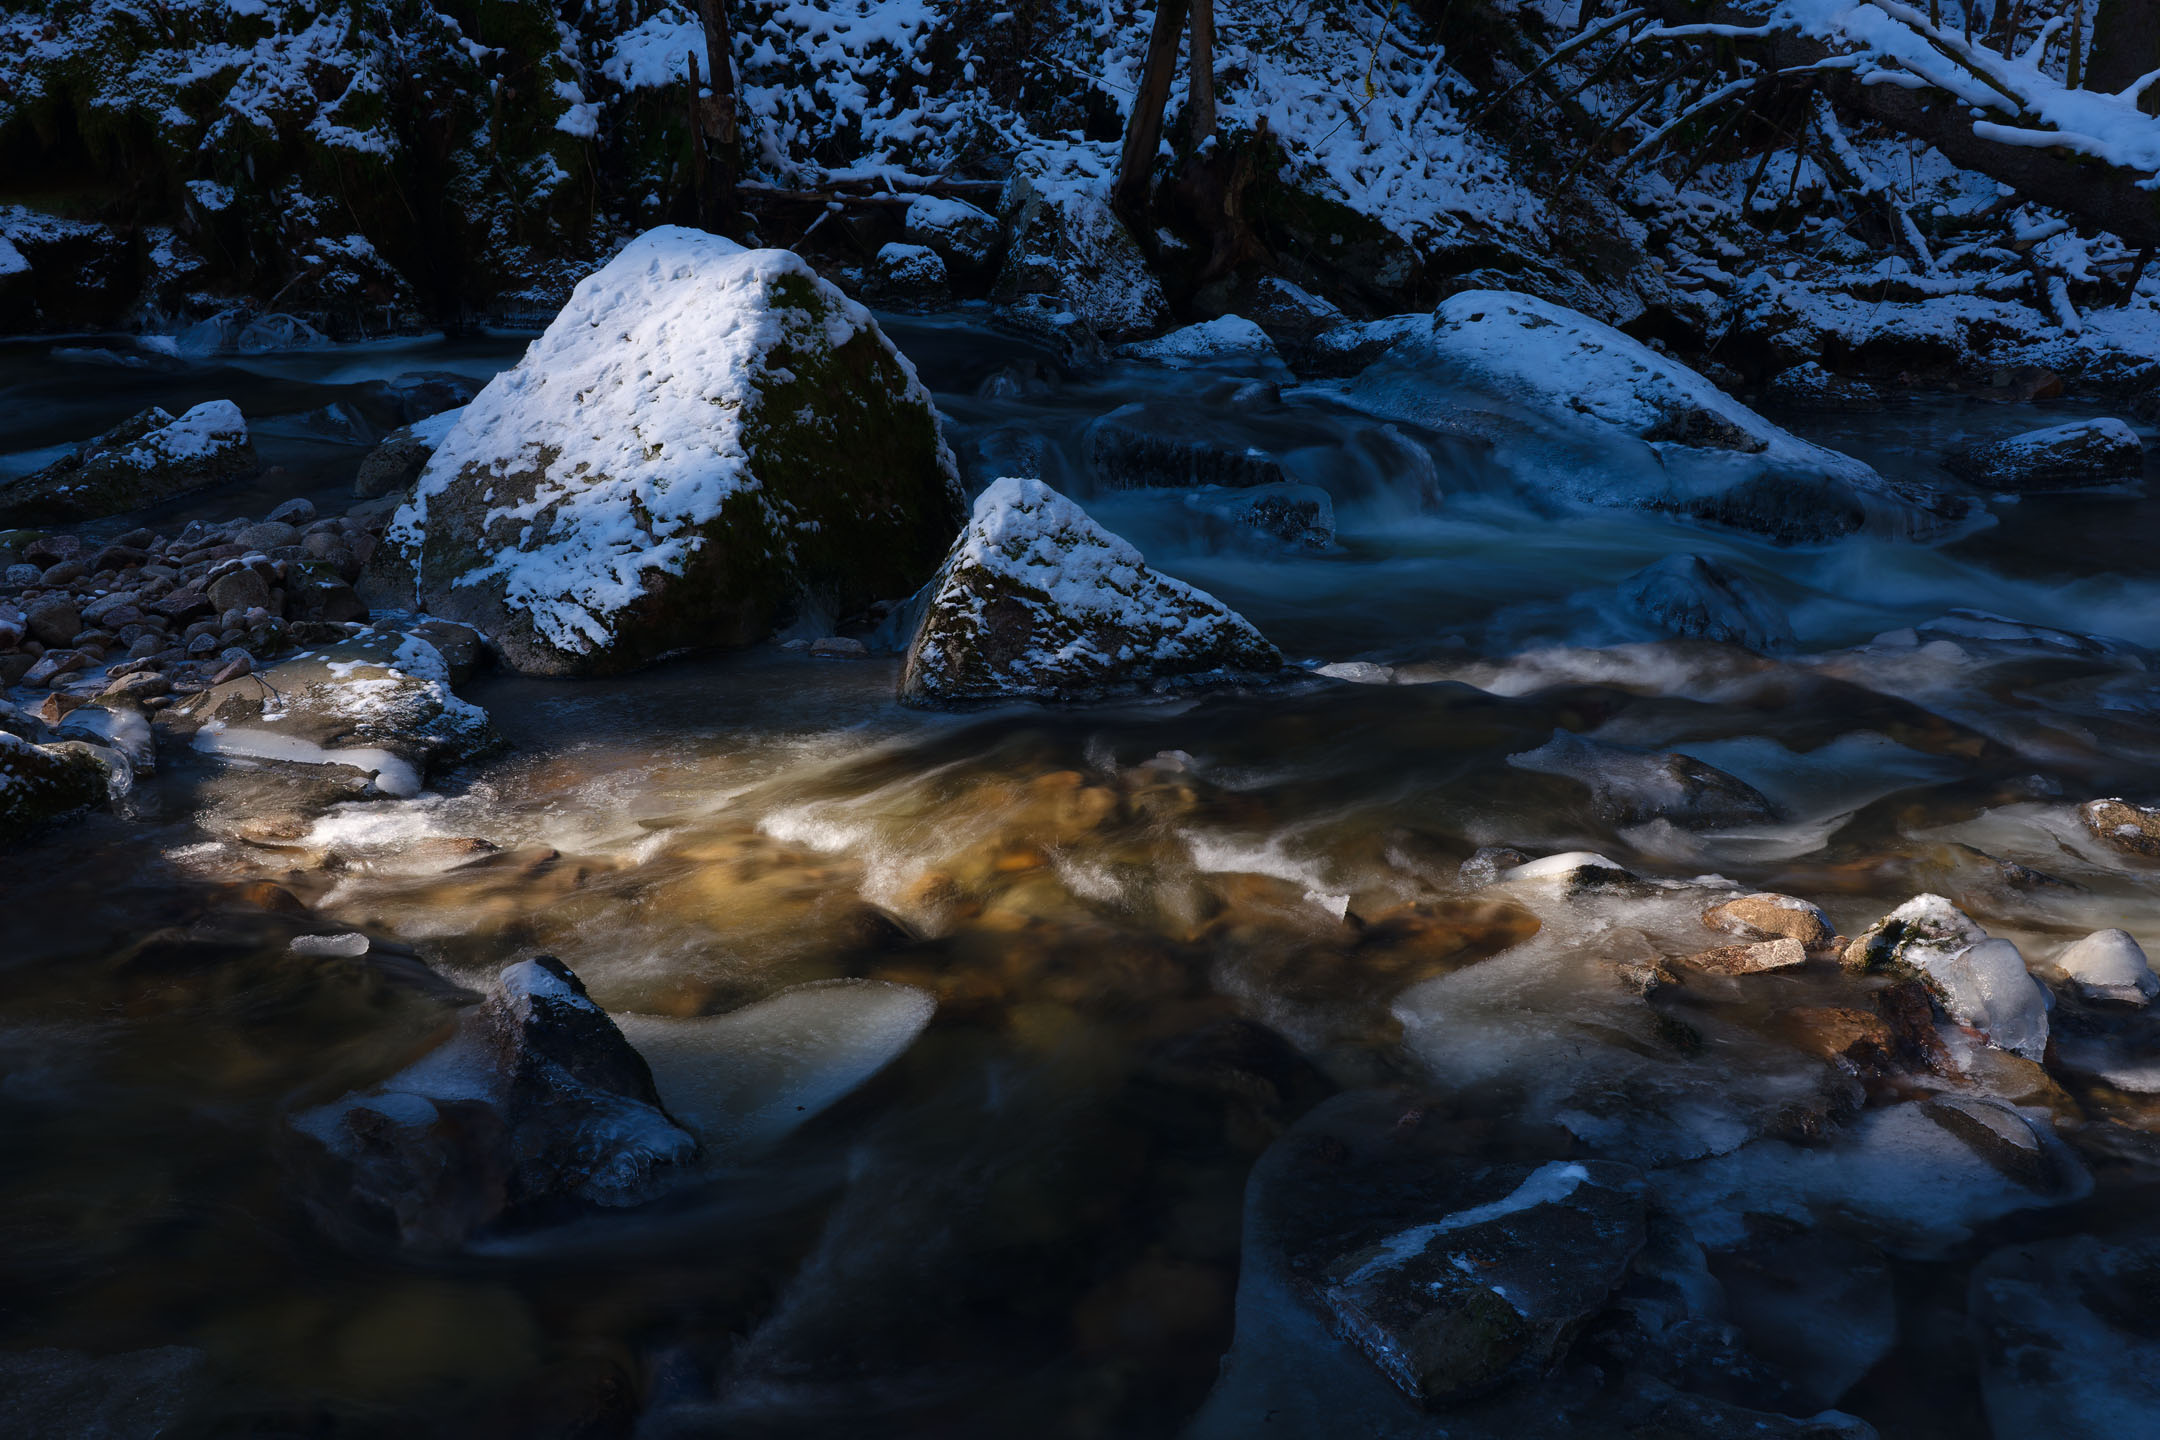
x=1155, y=933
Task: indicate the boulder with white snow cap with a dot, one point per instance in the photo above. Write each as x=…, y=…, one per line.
x=1701, y=598
x=1039, y=602
x=2076, y=456
x=963, y=236
x=1067, y=242
x=535, y=1104
x=373, y=713
x=2109, y=965
x=909, y=276
x=705, y=439
x=1229, y=338
x=1978, y=982
x=147, y=458
x=1576, y=408
x=1808, y=386
x=1633, y=787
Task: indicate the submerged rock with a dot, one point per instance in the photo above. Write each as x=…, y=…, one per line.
x=1575, y=407
x=535, y=1103
x=1142, y=446
x=1634, y=787
x=148, y=458
x=2109, y=965
x=1978, y=982
x=45, y=782
x=1750, y=959
x=2064, y=1337
x=1039, y=602
x=705, y=436
x=1702, y=598
x=375, y=710
x=1300, y=516
x=1766, y=915
x=2132, y=829
x=2061, y=457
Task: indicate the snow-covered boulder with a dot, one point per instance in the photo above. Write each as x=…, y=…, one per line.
x=147, y=458
x=1808, y=386
x=704, y=437
x=1578, y=410
x=1067, y=242
x=1978, y=982
x=1039, y=602
x=374, y=712
x=963, y=236
x=1696, y=596
x=1229, y=338
x=2062, y=457
x=909, y=275
x=2109, y=965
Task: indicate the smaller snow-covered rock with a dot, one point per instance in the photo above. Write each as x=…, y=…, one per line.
x=965, y=237
x=1766, y=915
x=2109, y=965
x=2061, y=457
x=1809, y=386
x=909, y=275
x=1067, y=242
x=1977, y=981
x=2133, y=829
x=1574, y=872
x=1039, y=602
x=535, y=1102
x=1702, y=598
x=1633, y=787
x=148, y=458
x=1300, y=516
x=1231, y=337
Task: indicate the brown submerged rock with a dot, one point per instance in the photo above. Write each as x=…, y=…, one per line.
x=2132, y=829
x=1769, y=916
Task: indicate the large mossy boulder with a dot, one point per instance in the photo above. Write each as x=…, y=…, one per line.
x=1038, y=602
x=147, y=458
x=706, y=440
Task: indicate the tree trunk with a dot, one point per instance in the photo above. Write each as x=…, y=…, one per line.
x=714, y=144
x=1202, y=88
x=1143, y=133
x=2125, y=46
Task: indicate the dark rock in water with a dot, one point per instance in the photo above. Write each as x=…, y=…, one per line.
x=1632, y=786
x=1024, y=379
x=2065, y=1336
x=2132, y=829
x=1487, y=1279
x=1068, y=336
x=1794, y=509
x=1301, y=516
x=68, y=1395
x=1037, y=601
x=422, y=393
x=2062, y=457
x=1134, y=448
x=1293, y=318
x=44, y=782
x=147, y=458
x=1810, y=387
x=1696, y=596
x=394, y=465
x=535, y=1106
